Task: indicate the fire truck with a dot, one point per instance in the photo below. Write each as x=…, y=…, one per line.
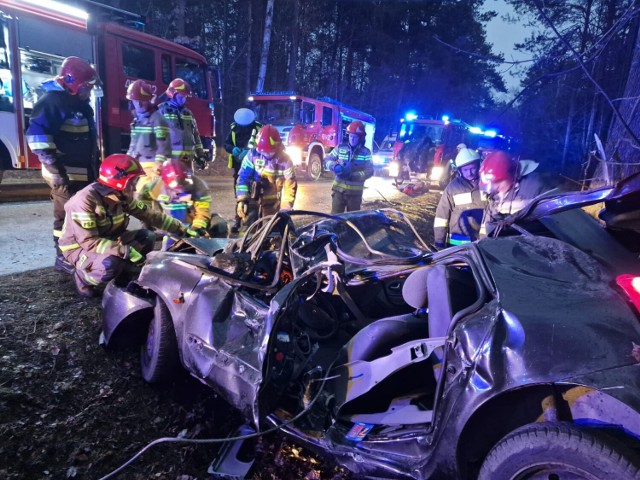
x=310, y=128
x=427, y=147
x=36, y=36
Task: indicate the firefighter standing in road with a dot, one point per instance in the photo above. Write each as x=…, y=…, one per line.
x=62, y=133
x=150, y=140
x=461, y=207
x=240, y=140
x=186, y=198
x=266, y=179
x=351, y=163
x=509, y=185
x=186, y=144
x=95, y=238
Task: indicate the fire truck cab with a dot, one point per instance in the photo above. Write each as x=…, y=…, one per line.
x=35, y=37
x=310, y=128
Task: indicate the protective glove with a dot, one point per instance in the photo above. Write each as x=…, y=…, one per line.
x=59, y=179
x=201, y=163
x=338, y=169
x=242, y=209
x=135, y=256
x=236, y=151
x=192, y=233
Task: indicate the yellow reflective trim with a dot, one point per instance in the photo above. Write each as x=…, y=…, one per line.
x=66, y=248
x=74, y=128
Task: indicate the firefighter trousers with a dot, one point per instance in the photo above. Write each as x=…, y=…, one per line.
x=342, y=202
x=97, y=269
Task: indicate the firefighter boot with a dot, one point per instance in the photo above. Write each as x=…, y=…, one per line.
x=61, y=264
x=83, y=288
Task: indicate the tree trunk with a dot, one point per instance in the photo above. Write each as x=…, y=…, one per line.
x=293, y=51
x=266, y=41
x=249, y=66
x=180, y=10
x=622, y=150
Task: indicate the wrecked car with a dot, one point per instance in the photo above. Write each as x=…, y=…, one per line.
x=511, y=357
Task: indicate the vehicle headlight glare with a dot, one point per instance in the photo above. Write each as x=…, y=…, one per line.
x=394, y=169
x=436, y=173
x=295, y=153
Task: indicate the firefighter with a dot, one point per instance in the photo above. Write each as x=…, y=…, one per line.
x=266, y=180
x=509, y=185
x=186, y=198
x=241, y=139
x=186, y=144
x=460, y=209
x=95, y=238
x=62, y=133
x=150, y=140
x=351, y=163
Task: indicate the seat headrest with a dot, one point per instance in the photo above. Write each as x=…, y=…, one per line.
x=414, y=290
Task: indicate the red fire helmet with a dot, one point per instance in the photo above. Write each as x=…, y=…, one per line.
x=178, y=85
x=75, y=74
x=140, y=90
x=117, y=170
x=356, y=128
x=268, y=141
x=175, y=174
x=498, y=166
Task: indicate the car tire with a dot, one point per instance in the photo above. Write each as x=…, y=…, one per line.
x=558, y=450
x=314, y=167
x=159, y=354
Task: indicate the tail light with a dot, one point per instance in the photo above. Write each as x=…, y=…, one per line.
x=631, y=286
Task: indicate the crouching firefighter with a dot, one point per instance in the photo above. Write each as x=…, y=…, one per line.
x=267, y=179
x=186, y=198
x=95, y=238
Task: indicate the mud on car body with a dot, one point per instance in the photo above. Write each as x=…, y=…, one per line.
x=506, y=358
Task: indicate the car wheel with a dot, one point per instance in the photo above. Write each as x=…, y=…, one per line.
x=159, y=353
x=314, y=167
x=558, y=451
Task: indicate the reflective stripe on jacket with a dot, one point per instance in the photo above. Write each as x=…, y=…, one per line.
x=359, y=158
x=242, y=136
x=96, y=217
x=185, y=139
x=150, y=139
x=276, y=176
x=459, y=213
x=192, y=207
x=61, y=122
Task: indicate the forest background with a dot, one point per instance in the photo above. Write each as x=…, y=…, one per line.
x=581, y=79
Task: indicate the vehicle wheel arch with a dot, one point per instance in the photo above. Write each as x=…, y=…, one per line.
x=132, y=330
x=497, y=418
x=6, y=159
x=315, y=150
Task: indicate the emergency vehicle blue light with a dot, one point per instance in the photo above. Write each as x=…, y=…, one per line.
x=445, y=118
x=490, y=133
x=475, y=129
x=410, y=115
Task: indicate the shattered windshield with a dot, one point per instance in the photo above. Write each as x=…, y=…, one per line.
x=362, y=238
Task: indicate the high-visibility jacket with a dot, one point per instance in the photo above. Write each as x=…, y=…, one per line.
x=526, y=188
x=97, y=215
x=243, y=137
x=150, y=139
x=359, y=159
x=185, y=138
x=459, y=213
x=276, y=177
x=192, y=207
x=62, y=132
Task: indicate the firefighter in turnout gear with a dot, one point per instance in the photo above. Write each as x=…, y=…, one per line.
x=460, y=209
x=186, y=144
x=352, y=165
x=95, y=238
x=267, y=179
x=150, y=140
x=186, y=198
x=62, y=133
x=241, y=139
x=509, y=185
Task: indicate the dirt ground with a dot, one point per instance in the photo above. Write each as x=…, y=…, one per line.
x=71, y=410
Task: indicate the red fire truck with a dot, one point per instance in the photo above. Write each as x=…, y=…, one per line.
x=310, y=128
x=36, y=36
x=426, y=146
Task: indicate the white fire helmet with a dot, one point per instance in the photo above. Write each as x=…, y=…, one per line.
x=466, y=155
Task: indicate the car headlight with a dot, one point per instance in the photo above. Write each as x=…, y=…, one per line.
x=378, y=160
x=295, y=153
x=436, y=173
x=394, y=169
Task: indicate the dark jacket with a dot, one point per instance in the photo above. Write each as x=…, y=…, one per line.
x=62, y=132
x=459, y=214
x=358, y=159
